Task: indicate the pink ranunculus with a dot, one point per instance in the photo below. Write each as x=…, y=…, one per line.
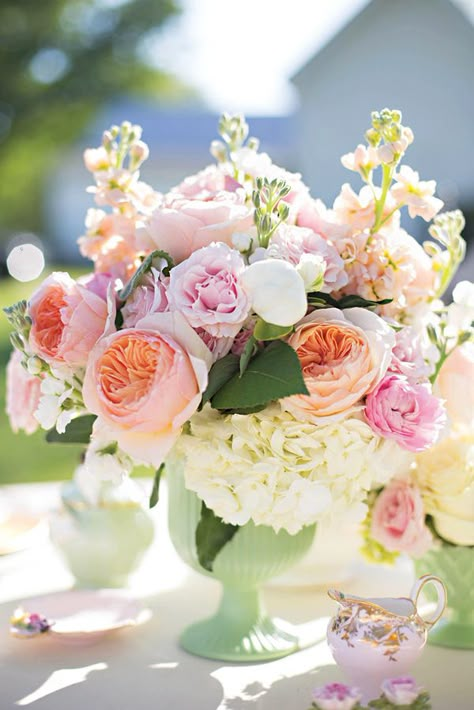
x=406, y=412
x=23, y=395
x=144, y=383
x=185, y=225
x=398, y=519
x=205, y=288
x=336, y=696
x=290, y=243
x=67, y=320
x=401, y=691
x=455, y=384
x=150, y=296
x=343, y=355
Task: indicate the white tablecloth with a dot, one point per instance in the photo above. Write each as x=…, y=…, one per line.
x=145, y=669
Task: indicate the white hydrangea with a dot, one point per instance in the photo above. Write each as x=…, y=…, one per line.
x=277, y=471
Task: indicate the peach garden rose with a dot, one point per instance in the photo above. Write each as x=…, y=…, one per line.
x=343, y=356
x=67, y=320
x=144, y=383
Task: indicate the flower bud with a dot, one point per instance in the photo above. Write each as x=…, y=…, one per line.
x=311, y=268
x=218, y=151
x=241, y=241
x=34, y=365
x=276, y=291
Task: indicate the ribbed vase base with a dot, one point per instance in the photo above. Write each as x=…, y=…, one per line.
x=265, y=640
x=452, y=635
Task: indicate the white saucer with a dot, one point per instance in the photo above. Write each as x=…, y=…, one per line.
x=86, y=615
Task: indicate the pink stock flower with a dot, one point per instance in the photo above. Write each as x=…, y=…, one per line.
x=67, y=320
x=145, y=383
x=336, y=696
x=184, y=225
x=401, y=691
x=388, y=265
x=418, y=195
x=316, y=216
x=290, y=243
x=96, y=159
x=362, y=160
x=23, y=395
x=358, y=211
x=398, y=520
x=343, y=355
x=110, y=243
x=150, y=296
x=205, y=288
x=408, y=413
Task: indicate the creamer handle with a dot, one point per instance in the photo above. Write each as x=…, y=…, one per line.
x=442, y=597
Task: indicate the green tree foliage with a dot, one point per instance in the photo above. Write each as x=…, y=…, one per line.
x=60, y=60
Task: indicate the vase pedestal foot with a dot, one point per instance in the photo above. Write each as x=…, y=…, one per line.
x=241, y=631
x=265, y=640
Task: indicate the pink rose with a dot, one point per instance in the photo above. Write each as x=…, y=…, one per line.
x=148, y=297
x=398, y=520
x=185, y=225
x=205, y=185
x=290, y=243
x=343, y=355
x=23, y=394
x=67, y=320
x=218, y=347
x=455, y=384
x=336, y=696
x=144, y=383
x=408, y=356
x=406, y=412
x=205, y=288
x=401, y=691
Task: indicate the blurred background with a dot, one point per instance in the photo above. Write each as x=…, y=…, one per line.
x=305, y=73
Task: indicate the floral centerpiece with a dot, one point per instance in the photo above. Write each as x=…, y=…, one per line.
x=279, y=348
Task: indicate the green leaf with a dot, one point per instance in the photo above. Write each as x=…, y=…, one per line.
x=212, y=533
x=247, y=353
x=155, y=491
x=323, y=300
x=149, y=261
x=78, y=431
x=219, y=374
x=269, y=331
x=273, y=373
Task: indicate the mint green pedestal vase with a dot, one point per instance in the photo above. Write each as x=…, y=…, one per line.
x=455, y=566
x=240, y=630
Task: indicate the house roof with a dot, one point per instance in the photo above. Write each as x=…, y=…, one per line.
x=461, y=12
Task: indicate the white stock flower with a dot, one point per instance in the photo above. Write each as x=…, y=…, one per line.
x=241, y=241
x=277, y=471
x=276, y=291
x=50, y=412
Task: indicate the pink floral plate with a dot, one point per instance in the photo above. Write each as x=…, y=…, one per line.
x=77, y=616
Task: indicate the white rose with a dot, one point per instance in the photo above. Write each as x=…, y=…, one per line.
x=276, y=291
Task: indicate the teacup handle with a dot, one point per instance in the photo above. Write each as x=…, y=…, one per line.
x=442, y=597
